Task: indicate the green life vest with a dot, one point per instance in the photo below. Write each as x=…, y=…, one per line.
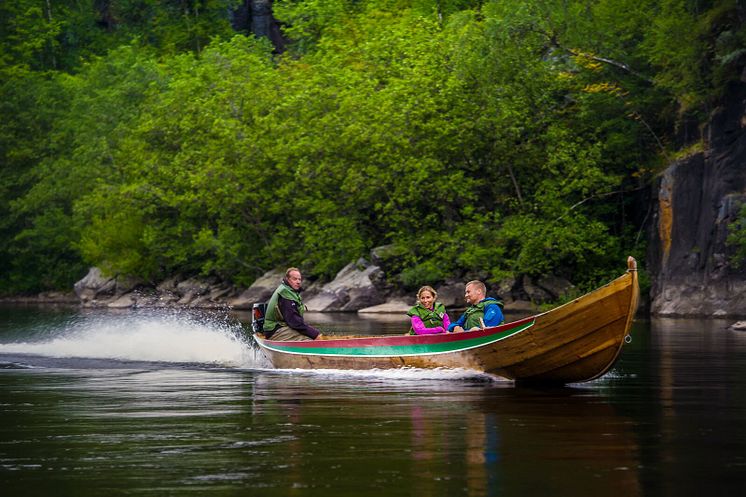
x=431, y=318
x=274, y=317
x=475, y=313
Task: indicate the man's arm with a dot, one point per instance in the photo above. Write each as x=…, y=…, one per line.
x=493, y=316
x=290, y=313
x=459, y=322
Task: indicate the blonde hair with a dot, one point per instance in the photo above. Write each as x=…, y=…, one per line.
x=478, y=284
x=290, y=270
x=427, y=288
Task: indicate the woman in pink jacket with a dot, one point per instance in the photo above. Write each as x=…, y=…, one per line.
x=428, y=317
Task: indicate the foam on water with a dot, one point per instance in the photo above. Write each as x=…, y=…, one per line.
x=174, y=337
x=180, y=337
x=405, y=373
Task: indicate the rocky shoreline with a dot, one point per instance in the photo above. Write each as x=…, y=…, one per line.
x=359, y=287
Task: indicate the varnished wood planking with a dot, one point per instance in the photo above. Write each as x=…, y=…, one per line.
x=575, y=342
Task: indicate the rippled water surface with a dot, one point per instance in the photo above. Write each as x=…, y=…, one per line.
x=170, y=403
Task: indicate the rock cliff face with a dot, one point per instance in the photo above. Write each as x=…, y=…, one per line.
x=698, y=197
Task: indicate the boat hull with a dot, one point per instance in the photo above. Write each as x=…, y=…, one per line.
x=576, y=342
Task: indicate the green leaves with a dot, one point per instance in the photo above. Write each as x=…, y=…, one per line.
x=490, y=138
x=737, y=239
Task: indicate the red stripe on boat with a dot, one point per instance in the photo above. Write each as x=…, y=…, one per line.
x=391, y=340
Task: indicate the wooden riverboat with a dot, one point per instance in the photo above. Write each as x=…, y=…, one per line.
x=576, y=342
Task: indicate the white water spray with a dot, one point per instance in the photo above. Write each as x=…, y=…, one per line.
x=181, y=337
x=156, y=337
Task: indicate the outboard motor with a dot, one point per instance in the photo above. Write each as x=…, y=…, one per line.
x=258, y=311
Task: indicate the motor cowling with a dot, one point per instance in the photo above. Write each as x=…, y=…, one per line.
x=258, y=311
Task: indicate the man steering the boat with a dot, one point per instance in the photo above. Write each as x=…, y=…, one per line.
x=483, y=311
x=284, y=318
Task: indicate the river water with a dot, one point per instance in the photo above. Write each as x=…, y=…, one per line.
x=176, y=403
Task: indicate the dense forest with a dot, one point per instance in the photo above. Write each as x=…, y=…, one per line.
x=503, y=137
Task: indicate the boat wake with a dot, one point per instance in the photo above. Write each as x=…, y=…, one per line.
x=165, y=337
x=405, y=373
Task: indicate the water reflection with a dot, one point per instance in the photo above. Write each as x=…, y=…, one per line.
x=668, y=420
x=472, y=438
x=689, y=402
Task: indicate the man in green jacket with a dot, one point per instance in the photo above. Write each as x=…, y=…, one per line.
x=483, y=311
x=284, y=317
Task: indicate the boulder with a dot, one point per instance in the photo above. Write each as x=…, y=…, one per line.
x=556, y=287
x=220, y=293
x=451, y=294
x=167, y=293
x=259, y=291
x=505, y=288
x=126, y=284
x=535, y=292
x=327, y=301
x=123, y=302
x=169, y=285
x=190, y=289
x=95, y=285
x=145, y=299
x=312, y=290
x=193, y=286
x=95, y=290
x=165, y=300
x=352, y=289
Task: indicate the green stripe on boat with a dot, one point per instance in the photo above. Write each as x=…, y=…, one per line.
x=400, y=350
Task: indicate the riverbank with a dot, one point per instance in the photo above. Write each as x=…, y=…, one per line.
x=360, y=287
x=43, y=298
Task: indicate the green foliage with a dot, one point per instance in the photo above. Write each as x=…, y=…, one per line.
x=20, y=150
x=28, y=36
x=307, y=20
x=737, y=239
x=494, y=138
x=186, y=171
x=116, y=243
x=674, y=47
x=83, y=150
x=426, y=273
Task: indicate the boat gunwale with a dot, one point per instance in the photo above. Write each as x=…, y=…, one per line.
x=419, y=348
x=395, y=340
x=556, y=310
